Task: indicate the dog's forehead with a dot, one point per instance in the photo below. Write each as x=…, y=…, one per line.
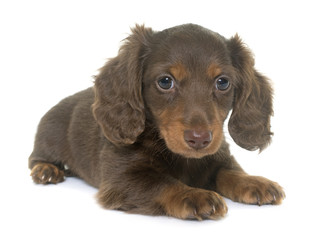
x=190, y=32
x=190, y=44
x=192, y=36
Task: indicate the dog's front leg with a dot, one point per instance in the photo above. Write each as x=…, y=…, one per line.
x=241, y=187
x=146, y=191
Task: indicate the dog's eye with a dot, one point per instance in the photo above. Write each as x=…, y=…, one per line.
x=165, y=83
x=222, y=84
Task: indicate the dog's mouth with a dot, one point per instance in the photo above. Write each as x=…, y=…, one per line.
x=192, y=143
x=193, y=135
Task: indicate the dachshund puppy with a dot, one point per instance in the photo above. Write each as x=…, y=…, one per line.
x=149, y=134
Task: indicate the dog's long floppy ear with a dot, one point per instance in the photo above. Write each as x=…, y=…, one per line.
x=249, y=124
x=118, y=105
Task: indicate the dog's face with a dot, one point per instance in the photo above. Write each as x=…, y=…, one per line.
x=188, y=88
x=185, y=80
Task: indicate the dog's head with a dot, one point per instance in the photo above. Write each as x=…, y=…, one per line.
x=185, y=80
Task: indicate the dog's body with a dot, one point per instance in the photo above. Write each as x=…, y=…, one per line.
x=149, y=134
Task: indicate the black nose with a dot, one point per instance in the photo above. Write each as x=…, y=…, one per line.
x=198, y=139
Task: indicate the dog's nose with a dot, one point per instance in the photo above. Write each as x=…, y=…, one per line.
x=198, y=139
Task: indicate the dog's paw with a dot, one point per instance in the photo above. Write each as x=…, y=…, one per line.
x=44, y=173
x=258, y=190
x=196, y=204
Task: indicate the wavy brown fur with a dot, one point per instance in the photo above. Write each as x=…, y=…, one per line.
x=149, y=134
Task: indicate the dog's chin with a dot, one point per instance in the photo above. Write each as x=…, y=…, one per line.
x=196, y=154
x=188, y=152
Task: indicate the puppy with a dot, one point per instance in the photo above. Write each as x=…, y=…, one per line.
x=149, y=134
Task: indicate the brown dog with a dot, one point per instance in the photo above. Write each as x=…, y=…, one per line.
x=149, y=134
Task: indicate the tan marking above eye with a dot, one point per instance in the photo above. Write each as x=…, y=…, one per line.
x=178, y=71
x=213, y=70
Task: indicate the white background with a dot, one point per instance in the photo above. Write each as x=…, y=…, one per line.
x=50, y=49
